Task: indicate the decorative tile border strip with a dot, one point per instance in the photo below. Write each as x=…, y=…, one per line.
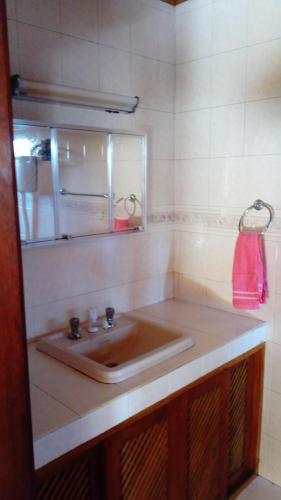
x=165, y=217
x=85, y=206
x=168, y=216
x=206, y=219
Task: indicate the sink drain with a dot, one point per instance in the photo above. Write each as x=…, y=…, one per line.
x=111, y=365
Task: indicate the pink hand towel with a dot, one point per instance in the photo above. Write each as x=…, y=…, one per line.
x=249, y=274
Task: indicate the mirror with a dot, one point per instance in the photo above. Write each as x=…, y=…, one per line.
x=76, y=182
x=34, y=182
x=127, y=168
x=83, y=182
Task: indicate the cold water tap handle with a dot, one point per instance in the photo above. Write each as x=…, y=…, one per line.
x=74, y=326
x=109, y=312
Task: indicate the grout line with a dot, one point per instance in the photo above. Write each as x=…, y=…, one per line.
x=249, y=101
x=118, y=285
x=192, y=158
x=55, y=398
x=95, y=42
x=214, y=54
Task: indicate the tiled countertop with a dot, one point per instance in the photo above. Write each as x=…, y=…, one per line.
x=69, y=408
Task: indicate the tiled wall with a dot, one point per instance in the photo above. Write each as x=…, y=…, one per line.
x=228, y=153
x=122, y=46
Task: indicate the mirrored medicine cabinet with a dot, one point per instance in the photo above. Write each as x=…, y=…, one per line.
x=75, y=182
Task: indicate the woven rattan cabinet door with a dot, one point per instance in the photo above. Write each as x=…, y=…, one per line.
x=136, y=460
x=207, y=424
x=77, y=479
x=245, y=397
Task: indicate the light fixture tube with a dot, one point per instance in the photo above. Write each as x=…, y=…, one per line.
x=49, y=93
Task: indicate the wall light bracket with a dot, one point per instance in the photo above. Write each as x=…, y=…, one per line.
x=50, y=93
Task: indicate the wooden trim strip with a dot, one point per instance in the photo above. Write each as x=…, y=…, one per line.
x=16, y=458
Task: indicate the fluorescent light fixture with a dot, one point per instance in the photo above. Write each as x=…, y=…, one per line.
x=49, y=93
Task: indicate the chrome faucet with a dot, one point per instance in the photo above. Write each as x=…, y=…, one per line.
x=74, y=327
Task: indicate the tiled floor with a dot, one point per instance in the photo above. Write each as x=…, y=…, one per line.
x=260, y=489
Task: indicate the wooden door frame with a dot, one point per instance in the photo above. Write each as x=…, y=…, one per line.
x=16, y=456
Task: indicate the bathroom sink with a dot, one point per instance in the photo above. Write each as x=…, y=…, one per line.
x=130, y=347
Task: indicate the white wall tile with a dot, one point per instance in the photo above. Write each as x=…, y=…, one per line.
x=273, y=361
x=159, y=128
x=227, y=130
x=194, y=34
x=220, y=257
x=42, y=14
x=191, y=288
x=152, y=31
x=229, y=25
x=114, y=23
x=192, y=134
x=274, y=417
x=11, y=8
x=80, y=63
x=274, y=460
x=40, y=54
x=235, y=182
x=192, y=182
x=193, y=85
x=115, y=71
x=80, y=19
x=161, y=182
x=139, y=256
x=191, y=254
x=264, y=71
x=166, y=36
x=143, y=29
x=276, y=337
x=55, y=315
x=219, y=295
x=264, y=20
x=263, y=123
x=153, y=81
x=192, y=5
x=228, y=78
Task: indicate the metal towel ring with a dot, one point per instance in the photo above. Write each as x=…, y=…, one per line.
x=134, y=200
x=257, y=205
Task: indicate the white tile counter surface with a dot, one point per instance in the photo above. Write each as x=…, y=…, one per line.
x=69, y=408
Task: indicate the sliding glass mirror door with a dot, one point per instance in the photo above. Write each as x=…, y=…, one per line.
x=76, y=182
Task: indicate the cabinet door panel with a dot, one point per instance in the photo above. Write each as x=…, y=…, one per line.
x=237, y=418
x=71, y=483
x=207, y=422
x=244, y=418
x=136, y=460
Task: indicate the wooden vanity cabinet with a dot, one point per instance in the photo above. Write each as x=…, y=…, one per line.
x=200, y=444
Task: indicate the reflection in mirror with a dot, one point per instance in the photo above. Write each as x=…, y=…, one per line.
x=82, y=164
x=34, y=182
x=77, y=182
x=127, y=177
